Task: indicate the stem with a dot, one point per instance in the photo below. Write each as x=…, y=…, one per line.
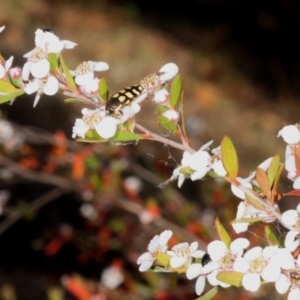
x=269, y=207
x=155, y=137
x=81, y=97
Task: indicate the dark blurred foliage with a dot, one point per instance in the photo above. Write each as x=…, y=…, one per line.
x=260, y=36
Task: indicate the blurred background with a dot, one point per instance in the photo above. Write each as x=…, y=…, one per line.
x=71, y=212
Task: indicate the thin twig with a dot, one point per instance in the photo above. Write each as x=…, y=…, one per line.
x=34, y=206
x=161, y=222
x=55, y=180
x=155, y=137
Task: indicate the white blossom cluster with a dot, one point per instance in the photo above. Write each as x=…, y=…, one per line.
x=38, y=76
x=291, y=217
x=105, y=125
x=196, y=165
x=269, y=264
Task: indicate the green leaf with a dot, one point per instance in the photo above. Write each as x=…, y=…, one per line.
x=223, y=234
x=6, y=87
x=214, y=174
x=229, y=157
x=276, y=181
x=263, y=181
x=10, y=96
x=161, y=109
x=248, y=220
x=175, y=90
x=74, y=100
x=121, y=136
x=255, y=203
x=158, y=269
x=271, y=237
x=163, y=259
x=126, y=136
x=166, y=123
x=67, y=73
x=231, y=277
x=187, y=171
x=52, y=58
x=103, y=90
x=210, y=294
x=273, y=169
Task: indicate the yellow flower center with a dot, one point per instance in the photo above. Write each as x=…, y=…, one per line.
x=257, y=265
x=83, y=68
x=295, y=278
x=38, y=54
x=227, y=260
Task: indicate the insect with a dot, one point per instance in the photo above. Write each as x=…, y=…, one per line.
x=151, y=82
x=122, y=98
x=205, y=259
x=49, y=30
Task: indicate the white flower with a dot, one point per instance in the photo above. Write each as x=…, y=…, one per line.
x=171, y=114
x=245, y=182
x=37, y=64
x=291, y=166
x=161, y=96
x=183, y=253
x=107, y=127
x=199, y=163
x=176, y=173
x=225, y=258
x=290, y=134
x=157, y=245
x=91, y=87
x=80, y=129
x=4, y=69
x=95, y=120
x=247, y=211
x=200, y=271
x=259, y=263
x=292, y=241
x=240, y=226
x=48, y=86
x=291, y=218
x=289, y=279
x=2, y=28
x=217, y=164
x=85, y=71
x=168, y=71
x=50, y=42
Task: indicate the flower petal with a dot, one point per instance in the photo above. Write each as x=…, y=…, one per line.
x=251, y=282
x=282, y=284
x=200, y=285
x=107, y=127
x=193, y=271
x=169, y=71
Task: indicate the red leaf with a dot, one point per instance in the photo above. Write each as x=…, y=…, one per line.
x=293, y=193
